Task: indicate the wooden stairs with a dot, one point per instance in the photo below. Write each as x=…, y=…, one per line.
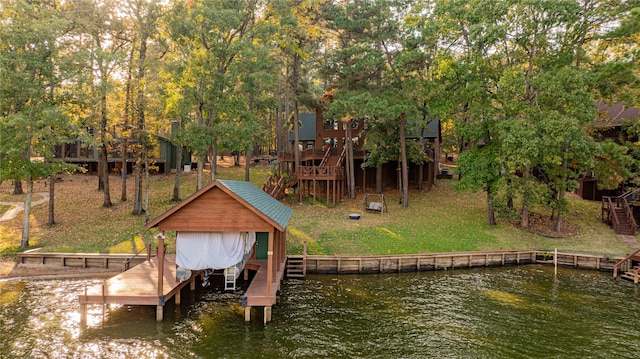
x=617, y=212
x=630, y=268
x=297, y=264
x=624, y=224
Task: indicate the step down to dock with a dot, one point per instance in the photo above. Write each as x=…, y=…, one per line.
x=296, y=267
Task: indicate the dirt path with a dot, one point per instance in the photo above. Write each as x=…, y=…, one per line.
x=19, y=206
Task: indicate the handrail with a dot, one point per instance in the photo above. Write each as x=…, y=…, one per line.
x=125, y=263
x=327, y=153
x=629, y=213
x=621, y=262
x=342, y=156
x=613, y=217
x=636, y=275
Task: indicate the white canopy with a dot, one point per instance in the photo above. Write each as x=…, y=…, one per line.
x=212, y=250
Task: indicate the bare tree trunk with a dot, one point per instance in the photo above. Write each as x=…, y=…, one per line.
x=105, y=176
x=17, y=187
x=176, y=183
x=405, y=165
x=561, y=191
x=296, y=124
x=280, y=139
x=52, y=183
x=379, y=179
x=214, y=161
x=24, y=243
x=524, y=216
x=247, y=162
x=200, y=172
x=127, y=112
x=352, y=176
x=491, y=216
x=123, y=173
x=146, y=188
x=137, y=191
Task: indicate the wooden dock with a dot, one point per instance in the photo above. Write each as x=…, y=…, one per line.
x=138, y=286
x=108, y=261
x=257, y=294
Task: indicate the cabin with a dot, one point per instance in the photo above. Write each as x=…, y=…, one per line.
x=609, y=124
x=162, y=156
x=234, y=227
x=322, y=156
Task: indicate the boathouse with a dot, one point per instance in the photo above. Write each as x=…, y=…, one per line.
x=229, y=226
x=215, y=228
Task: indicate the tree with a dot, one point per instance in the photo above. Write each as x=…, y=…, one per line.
x=211, y=35
x=145, y=15
x=108, y=39
x=34, y=104
x=378, y=68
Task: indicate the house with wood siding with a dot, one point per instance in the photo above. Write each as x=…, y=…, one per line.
x=322, y=155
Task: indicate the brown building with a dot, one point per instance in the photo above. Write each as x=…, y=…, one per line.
x=609, y=124
x=322, y=156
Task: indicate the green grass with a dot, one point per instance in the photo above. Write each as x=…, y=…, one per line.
x=441, y=220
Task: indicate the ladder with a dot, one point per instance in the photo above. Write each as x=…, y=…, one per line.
x=296, y=267
x=297, y=264
x=230, y=278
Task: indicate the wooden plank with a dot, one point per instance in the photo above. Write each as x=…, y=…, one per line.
x=137, y=286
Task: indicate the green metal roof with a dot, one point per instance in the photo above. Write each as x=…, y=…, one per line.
x=415, y=131
x=307, y=128
x=260, y=200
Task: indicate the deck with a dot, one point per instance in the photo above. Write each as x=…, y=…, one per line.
x=138, y=286
x=256, y=294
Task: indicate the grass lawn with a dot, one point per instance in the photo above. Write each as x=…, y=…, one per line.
x=441, y=220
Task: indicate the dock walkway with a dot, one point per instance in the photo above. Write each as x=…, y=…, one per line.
x=138, y=286
x=257, y=294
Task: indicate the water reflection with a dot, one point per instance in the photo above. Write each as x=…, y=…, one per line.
x=510, y=312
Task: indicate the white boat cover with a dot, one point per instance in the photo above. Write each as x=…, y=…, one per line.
x=212, y=250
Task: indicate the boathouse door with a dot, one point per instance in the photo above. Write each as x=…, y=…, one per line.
x=262, y=245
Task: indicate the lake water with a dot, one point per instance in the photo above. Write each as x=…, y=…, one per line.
x=513, y=312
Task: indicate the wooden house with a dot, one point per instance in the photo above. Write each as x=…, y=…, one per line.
x=162, y=156
x=322, y=156
x=213, y=224
x=608, y=125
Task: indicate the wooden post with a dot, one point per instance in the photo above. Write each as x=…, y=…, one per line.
x=247, y=314
x=160, y=262
x=555, y=261
x=267, y=314
x=270, y=264
x=159, y=307
x=159, y=313
x=304, y=255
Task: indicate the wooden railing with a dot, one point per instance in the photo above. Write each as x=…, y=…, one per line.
x=316, y=154
x=274, y=186
x=628, y=212
x=326, y=156
x=609, y=214
x=626, y=264
x=317, y=172
x=126, y=264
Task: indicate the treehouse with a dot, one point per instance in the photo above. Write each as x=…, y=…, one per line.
x=323, y=163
